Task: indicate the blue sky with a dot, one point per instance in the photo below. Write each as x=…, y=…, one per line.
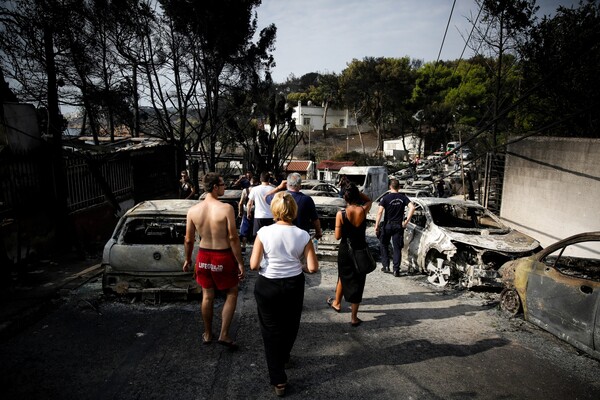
x=325, y=35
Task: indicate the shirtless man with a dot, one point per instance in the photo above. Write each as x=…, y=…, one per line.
x=217, y=257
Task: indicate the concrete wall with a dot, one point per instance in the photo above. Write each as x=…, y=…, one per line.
x=552, y=187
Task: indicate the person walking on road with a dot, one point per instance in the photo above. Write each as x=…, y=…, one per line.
x=246, y=224
x=277, y=255
x=219, y=264
x=258, y=203
x=350, y=227
x=392, y=227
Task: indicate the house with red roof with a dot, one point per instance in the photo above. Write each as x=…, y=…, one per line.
x=327, y=170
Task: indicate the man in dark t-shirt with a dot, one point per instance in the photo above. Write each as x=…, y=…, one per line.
x=307, y=217
x=392, y=228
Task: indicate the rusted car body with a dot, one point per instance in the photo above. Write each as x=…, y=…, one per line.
x=459, y=240
x=145, y=252
x=558, y=289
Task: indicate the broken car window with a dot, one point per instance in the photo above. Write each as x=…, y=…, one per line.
x=459, y=216
x=579, y=260
x=154, y=231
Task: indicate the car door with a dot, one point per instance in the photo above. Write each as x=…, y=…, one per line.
x=562, y=299
x=412, y=236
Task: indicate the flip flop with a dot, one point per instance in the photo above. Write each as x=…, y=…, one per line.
x=330, y=303
x=230, y=345
x=357, y=323
x=205, y=340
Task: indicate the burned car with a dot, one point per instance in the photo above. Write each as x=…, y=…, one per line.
x=558, y=289
x=461, y=241
x=319, y=186
x=327, y=205
x=145, y=252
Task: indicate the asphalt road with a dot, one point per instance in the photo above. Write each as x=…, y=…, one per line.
x=417, y=342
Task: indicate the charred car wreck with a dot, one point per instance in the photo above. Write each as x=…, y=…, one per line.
x=460, y=241
x=145, y=253
x=558, y=289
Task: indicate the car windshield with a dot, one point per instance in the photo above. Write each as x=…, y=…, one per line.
x=154, y=231
x=358, y=180
x=464, y=217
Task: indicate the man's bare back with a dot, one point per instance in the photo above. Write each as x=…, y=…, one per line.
x=211, y=219
x=214, y=222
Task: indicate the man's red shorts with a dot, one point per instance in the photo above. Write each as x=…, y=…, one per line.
x=216, y=268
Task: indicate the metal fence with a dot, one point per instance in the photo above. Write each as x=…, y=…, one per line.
x=84, y=190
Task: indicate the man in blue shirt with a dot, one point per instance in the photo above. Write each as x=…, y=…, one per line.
x=307, y=217
x=393, y=226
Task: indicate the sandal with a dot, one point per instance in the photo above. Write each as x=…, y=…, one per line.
x=330, y=303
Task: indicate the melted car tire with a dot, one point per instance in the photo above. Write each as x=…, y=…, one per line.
x=510, y=301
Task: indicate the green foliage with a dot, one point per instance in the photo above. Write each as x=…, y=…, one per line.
x=561, y=71
x=376, y=89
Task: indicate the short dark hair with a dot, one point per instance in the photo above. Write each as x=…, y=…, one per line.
x=265, y=176
x=394, y=184
x=211, y=180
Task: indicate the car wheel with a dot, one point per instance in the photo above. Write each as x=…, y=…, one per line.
x=510, y=301
x=438, y=271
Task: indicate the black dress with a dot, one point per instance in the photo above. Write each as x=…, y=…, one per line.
x=353, y=283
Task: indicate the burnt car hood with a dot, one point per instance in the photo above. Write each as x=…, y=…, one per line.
x=511, y=242
x=329, y=201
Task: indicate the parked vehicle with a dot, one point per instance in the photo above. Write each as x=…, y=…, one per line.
x=372, y=181
x=451, y=146
x=461, y=241
x=327, y=205
x=145, y=252
x=558, y=289
x=319, y=186
x=425, y=185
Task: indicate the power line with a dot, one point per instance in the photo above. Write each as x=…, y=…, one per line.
x=445, y=32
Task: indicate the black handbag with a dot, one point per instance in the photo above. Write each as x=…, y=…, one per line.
x=364, y=262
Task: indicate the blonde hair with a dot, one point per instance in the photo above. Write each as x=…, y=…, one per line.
x=284, y=207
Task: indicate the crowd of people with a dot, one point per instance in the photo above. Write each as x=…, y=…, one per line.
x=279, y=219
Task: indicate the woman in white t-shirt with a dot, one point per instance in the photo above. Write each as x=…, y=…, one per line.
x=278, y=254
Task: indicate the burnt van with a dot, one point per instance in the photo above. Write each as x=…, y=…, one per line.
x=372, y=180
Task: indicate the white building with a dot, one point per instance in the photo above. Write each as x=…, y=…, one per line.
x=310, y=117
x=395, y=148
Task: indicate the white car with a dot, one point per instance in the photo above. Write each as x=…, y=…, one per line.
x=145, y=252
x=461, y=241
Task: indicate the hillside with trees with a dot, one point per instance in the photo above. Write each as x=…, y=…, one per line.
x=197, y=75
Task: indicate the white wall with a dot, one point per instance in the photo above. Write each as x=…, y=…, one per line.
x=552, y=187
